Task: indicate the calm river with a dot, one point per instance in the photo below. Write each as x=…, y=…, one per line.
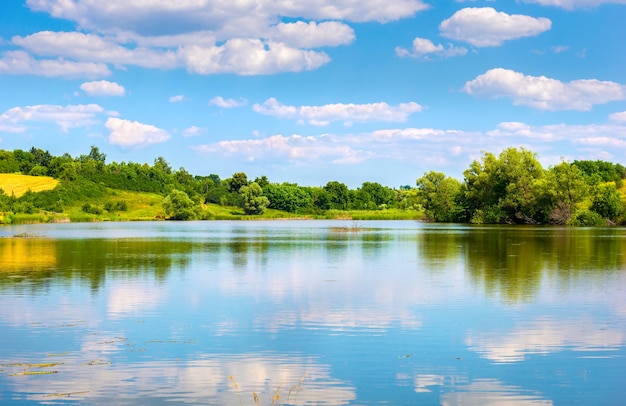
x=308, y=312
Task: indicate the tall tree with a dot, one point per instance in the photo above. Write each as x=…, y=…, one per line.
x=338, y=195
x=253, y=200
x=439, y=194
x=566, y=187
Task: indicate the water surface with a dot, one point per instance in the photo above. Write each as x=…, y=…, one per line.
x=307, y=312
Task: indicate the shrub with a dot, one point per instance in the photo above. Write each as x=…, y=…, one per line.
x=587, y=218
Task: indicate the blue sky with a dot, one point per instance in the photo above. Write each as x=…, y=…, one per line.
x=314, y=91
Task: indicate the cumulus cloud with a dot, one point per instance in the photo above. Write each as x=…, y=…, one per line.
x=173, y=17
x=127, y=133
x=250, y=57
x=219, y=101
x=574, y=4
x=21, y=63
x=93, y=48
x=103, y=88
x=448, y=150
x=486, y=27
x=295, y=148
x=348, y=113
x=424, y=48
x=312, y=34
x=618, y=116
x=544, y=93
x=193, y=131
x=65, y=117
x=207, y=36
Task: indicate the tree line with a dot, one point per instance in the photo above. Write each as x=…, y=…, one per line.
x=87, y=176
x=512, y=187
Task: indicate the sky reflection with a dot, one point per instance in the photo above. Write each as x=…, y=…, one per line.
x=396, y=313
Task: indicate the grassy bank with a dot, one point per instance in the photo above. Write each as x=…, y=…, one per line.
x=147, y=207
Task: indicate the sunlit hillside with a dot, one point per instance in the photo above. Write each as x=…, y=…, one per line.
x=20, y=184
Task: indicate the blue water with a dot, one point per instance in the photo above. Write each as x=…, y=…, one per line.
x=311, y=312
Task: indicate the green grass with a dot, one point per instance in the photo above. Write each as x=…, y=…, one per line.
x=141, y=206
x=17, y=185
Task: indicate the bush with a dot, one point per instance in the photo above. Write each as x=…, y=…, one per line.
x=587, y=218
x=88, y=208
x=117, y=206
x=178, y=206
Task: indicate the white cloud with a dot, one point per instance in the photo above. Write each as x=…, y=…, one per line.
x=219, y=101
x=93, y=48
x=177, y=99
x=20, y=63
x=244, y=37
x=250, y=57
x=193, y=131
x=295, y=148
x=348, y=113
x=127, y=133
x=174, y=17
x=544, y=93
x=574, y=4
x=424, y=48
x=312, y=34
x=65, y=117
x=103, y=88
x=618, y=116
x=448, y=150
x=486, y=27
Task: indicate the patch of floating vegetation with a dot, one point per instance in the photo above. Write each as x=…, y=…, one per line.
x=97, y=362
x=27, y=368
x=23, y=373
x=64, y=395
x=27, y=235
x=352, y=228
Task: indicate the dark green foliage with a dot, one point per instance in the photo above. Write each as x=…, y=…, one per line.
x=120, y=205
x=253, y=200
x=372, y=196
x=38, y=170
x=91, y=209
x=607, y=202
x=439, y=195
x=238, y=180
x=504, y=189
x=8, y=163
x=587, y=218
x=288, y=197
x=601, y=171
x=338, y=195
x=178, y=206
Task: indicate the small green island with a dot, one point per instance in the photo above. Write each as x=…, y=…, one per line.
x=509, y=188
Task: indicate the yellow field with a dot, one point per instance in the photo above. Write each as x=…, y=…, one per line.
x=20, y=184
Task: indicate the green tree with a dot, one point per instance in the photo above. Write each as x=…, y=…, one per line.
x=178, y=206
x=237, y=181
x=504, y=189
x=338, y=195
x=439, y=194
x=253, y=200
x=607, y=202
x=566, y=188
x=8, y=163
x=287, y=197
